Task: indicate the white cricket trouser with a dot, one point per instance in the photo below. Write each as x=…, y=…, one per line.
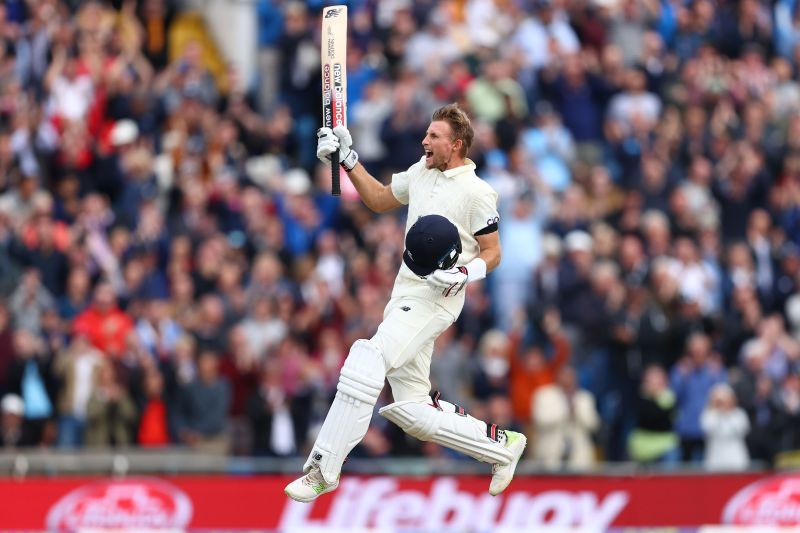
x=405, y=337
x=401, y=352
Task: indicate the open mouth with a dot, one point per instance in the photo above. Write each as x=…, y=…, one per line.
x=428, y=154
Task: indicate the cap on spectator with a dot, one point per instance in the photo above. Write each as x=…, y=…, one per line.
x=578, y=241
x=296, y=181
x=124, y=132
x=13, y=404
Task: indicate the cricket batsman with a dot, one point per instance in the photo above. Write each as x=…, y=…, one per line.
x=451, y=240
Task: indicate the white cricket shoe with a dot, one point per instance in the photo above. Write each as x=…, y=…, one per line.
x=309, y=487
x=503, y=474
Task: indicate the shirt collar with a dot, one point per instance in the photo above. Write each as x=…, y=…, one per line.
x=468, y=166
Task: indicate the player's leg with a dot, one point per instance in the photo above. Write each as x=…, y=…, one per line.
x=360, y=383
x=406, y=325
x=449, y=424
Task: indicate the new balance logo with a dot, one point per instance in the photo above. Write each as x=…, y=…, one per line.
x=406, y=308
x=332, y=13
x=319, y=487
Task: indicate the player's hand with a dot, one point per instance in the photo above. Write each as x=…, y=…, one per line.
x=327, y=143
x=347, y=156
x=329, y=140
x=449, y=282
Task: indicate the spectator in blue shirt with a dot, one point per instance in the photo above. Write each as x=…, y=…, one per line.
x=692, y=378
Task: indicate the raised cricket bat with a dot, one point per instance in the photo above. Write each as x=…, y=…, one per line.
x=334, y=78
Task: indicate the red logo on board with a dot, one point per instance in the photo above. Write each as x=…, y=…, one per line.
x=135, y=502
x=774, y=501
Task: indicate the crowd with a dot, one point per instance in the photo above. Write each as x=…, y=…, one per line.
x=174, y=270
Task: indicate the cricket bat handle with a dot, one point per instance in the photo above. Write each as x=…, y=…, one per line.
x=336, y=188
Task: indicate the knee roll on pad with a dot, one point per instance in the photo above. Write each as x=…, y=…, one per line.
x=360, y=384
x=455, y=431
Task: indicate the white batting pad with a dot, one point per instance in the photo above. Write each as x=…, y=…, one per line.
x=459, y=432
x=360, y=384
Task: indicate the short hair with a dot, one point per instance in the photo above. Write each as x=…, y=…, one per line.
x=459, y=123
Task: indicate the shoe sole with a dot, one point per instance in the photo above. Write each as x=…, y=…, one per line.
x=309, y=500
x=517, y=457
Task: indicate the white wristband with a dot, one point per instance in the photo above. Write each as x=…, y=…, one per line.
x=476, y=270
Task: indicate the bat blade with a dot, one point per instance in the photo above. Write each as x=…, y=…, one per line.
x=334, y=78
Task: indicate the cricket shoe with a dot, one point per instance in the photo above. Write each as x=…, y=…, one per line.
x=309, y=487
x=503, y=474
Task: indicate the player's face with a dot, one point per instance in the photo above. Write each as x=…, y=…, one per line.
x=439, y=145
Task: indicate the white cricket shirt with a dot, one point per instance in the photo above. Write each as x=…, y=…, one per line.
x=457, y=194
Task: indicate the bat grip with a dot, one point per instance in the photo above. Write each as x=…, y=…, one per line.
x=336, y=189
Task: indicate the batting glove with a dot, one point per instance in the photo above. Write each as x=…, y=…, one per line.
x=449, y=282
x=330, y=140
x=347, y=156
x=327, y=143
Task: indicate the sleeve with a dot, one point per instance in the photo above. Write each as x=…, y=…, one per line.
x=401, y=182
x=484, y=216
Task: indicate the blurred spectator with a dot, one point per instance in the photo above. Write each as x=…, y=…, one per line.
x=6, y=345
x=725, y=426
x=692, y=379
x=450, y=372
x=654, y=440
x=76, y=295
x=103, y=322
x=203, y=405
x=270, y=28
x=789, y=399
x=29, y=376
x=536, y=365
x=491, y=372
x=29, y=302
x=12, y=429
x=549, y=144
x=153, y=428
x=545, y=33
x=77, y=367
x=156, y=330
x=565, y=418
x=156, y=18
x=270, y=413
x=495, y=94
x=110, y=411
x=635, y=103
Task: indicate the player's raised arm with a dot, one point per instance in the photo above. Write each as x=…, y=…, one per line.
x=374, y=194
x=490, y=249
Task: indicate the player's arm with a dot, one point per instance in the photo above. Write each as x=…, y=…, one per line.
x=484, y=221
x=374, y=194
x=490, y=252
x=451, y=281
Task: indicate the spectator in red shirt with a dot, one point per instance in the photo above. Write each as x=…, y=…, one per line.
x=153, y=427
x=103, y=322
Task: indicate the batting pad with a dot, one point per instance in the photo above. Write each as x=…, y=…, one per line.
x=459, y=432
x=360, y=384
